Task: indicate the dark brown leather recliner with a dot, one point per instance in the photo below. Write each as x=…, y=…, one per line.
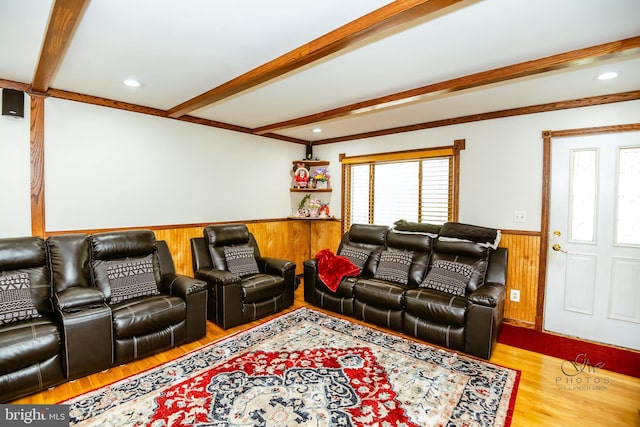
x=260, y=286
x=168, y=312
x=31, y=345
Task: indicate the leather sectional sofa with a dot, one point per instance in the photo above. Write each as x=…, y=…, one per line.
x=444, y=285
x=77, y=304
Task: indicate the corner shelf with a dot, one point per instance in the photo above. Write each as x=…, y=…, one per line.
x=312, y=162
x=311, y=190
x=299, y=192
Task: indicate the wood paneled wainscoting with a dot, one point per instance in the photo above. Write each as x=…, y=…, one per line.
x=299, y=240
x=295, y=240
x=522, y=274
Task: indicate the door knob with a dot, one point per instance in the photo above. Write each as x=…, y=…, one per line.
x=556, y=247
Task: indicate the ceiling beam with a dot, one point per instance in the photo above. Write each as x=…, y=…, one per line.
x=519, y=111
x=63, y=20
x=529, y=68
x=380, y=20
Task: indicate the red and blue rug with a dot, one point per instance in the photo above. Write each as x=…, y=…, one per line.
x=306, y=368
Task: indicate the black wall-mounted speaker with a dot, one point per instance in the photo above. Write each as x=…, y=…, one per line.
x=12, y=103
x=309, y=155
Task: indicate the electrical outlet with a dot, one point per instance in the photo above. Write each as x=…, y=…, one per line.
x=514, y=295
x=519, y=216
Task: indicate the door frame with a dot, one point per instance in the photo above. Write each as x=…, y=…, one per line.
x=549, y=137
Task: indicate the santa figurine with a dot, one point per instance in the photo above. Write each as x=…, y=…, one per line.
x=301, y=177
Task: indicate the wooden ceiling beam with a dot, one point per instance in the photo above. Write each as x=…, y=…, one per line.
x=63, y=21
x=497, y=75
x=519, y=111
x=380, y=20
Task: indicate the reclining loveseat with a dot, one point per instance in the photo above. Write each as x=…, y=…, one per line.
x=442, y=284
x=77, y=304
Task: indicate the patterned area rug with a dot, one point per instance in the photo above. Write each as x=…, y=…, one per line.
x=306, y=368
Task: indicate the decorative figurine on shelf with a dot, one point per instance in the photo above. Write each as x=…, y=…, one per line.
x=302, y=211
x=323, y=212
x=314, y=205
x=301, y=177
x=321, y=177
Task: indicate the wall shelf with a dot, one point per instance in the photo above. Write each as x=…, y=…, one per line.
x=311, y=190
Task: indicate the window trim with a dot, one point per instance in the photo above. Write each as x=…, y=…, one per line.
x=408, y=155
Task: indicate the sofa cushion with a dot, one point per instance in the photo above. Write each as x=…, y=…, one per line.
x=358, y=256
x=15, y=297
x=436, y=307
x=131, y=278
x=394, y=266
x=261, y=287
x=449, y=276
x=28, y=343
x=142, y=316
x=380, y=293
x=241, y=260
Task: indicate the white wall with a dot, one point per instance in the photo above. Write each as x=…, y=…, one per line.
x=112, y=168
x=501, y=167
x=15, y=176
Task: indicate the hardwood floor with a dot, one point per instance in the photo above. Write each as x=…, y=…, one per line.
x=546, y=396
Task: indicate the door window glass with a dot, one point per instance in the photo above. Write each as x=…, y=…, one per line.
x=628, y=197
x=584, y=165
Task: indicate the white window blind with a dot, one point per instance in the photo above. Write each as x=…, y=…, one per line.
x=384, y=191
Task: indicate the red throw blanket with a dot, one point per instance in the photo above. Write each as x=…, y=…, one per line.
x=333, y=268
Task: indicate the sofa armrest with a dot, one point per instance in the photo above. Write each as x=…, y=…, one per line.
x=78, y=296
x=275, y=266
x=217, y=277
x=310, y=275
x=181, y=286
x=194, y=293
x=484, y=319
x=488, y=295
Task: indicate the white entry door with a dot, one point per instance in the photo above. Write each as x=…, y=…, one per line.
x=593, y=267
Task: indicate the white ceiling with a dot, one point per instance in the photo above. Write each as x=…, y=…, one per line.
x=182, y=49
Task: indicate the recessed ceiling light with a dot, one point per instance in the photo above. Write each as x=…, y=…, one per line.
x=317, y=130
x=132, y=83
x=608, y=75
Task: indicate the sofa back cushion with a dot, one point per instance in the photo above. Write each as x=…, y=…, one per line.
x=366, y=238
x=70, y=261
x=29, y=255
x=227, y=235
x=122, y=259
x=419, y=244
x=465, y=244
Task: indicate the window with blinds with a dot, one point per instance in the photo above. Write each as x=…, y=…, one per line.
x=382, y=189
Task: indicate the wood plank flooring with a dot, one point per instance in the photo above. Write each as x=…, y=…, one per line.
x=546, y=395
